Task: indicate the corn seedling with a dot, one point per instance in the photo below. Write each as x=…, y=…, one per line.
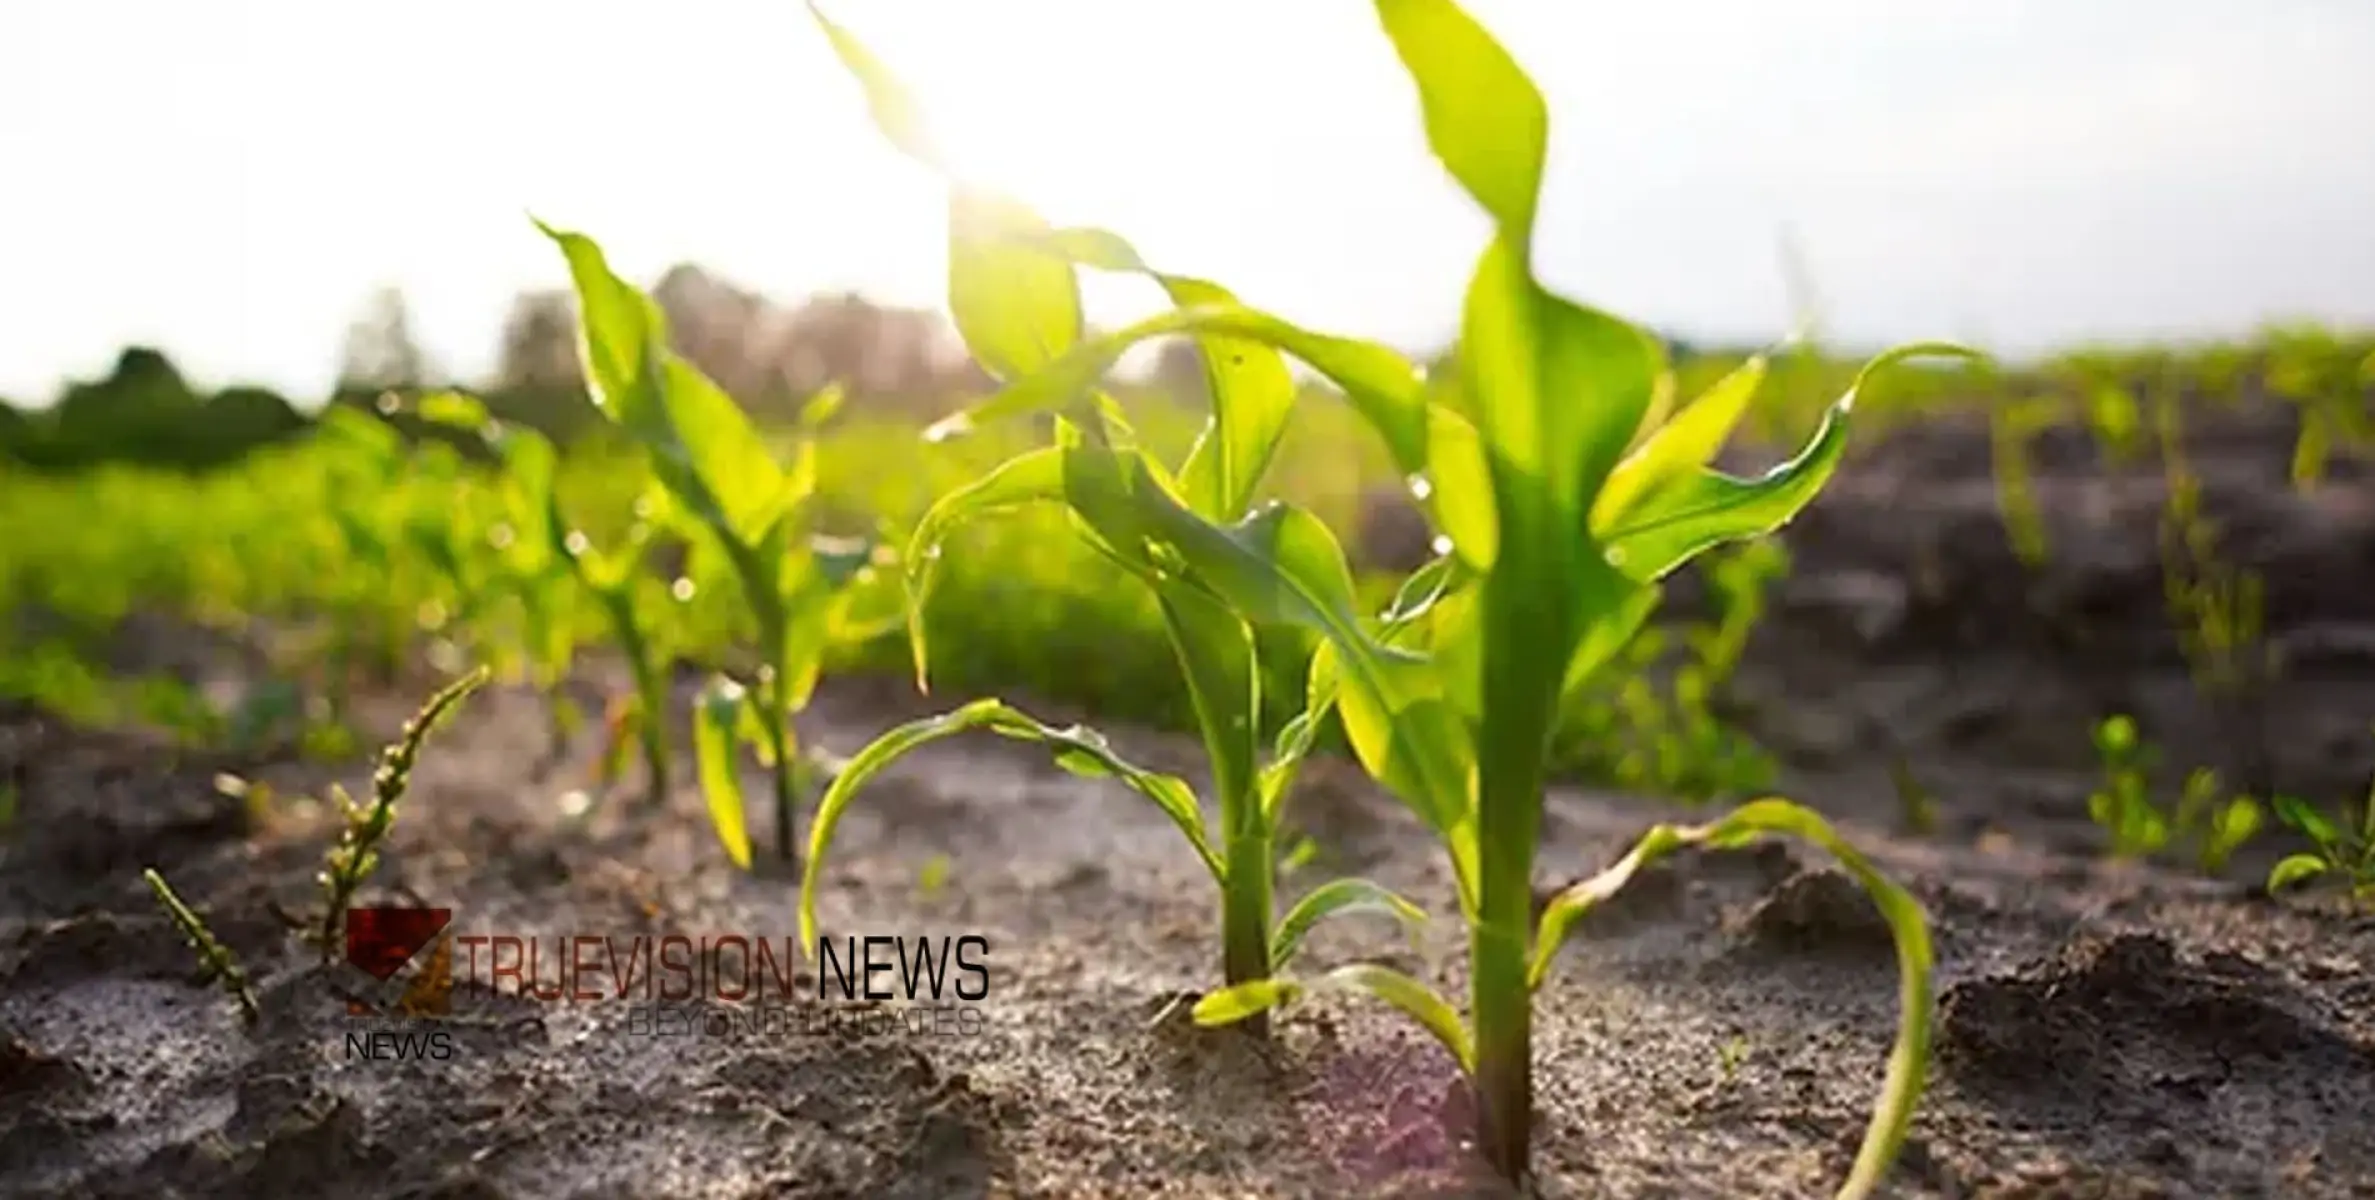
x=720, y=476
x=2123, y=806
x=544, y=553
x=2345, y=849
x=2207, y=819
x=1563, y=492
x=2219, y=611
x=216, y=963
x=2214, y=822
x=1013, y=290
x=2011, y=425
x=364, y=827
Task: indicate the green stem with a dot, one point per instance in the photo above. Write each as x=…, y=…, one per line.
x=787, y=772
x=1502, y=1008
x=651, y=688
x=1245, y=908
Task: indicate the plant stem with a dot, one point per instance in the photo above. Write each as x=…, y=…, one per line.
x=1501, y=1005
x=650, y=686
x=1245, y=907
x=787, y=770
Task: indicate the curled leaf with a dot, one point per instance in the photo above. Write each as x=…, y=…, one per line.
x=1415, y=999
x=1081, y=751
x=1336, y=898
x=1900, y=1091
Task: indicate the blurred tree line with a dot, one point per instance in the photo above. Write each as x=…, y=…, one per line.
x=768, y=356
x=908, y=362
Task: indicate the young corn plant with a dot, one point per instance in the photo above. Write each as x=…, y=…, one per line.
x=1565, y=489
x=546, y=556
x=2206, y=819
x=2122, y=807
x=2345, y=849
x=2219, y=611
x=1016, y=301
x=753, y=510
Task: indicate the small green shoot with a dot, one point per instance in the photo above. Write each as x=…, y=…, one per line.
x=2123, y=805
x=1917, y=805
x=216, y=963
x=2345, y=849
x=933, y=878
x=2207, y=819
x=1732, y=1055
x=364, y=827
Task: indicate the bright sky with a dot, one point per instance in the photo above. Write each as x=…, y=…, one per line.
x=230, y=178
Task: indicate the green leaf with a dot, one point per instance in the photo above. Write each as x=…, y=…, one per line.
x=1016, y=305
x=1033, y=477
x=1483, y=117
x=1607, y=636
x=820, y=409
x=1252, y=391
x=1383, y=385
x=717, y=720
x=456, y=410
x=1230, y=1005
x=1083, y=751
x=1892, y=1115
x=1674, y=522
x=1558, y=389
x=894, y=110
x=1415, y=999
x=1683, y=445
x=1282, y=566
x=702, y=445
x=1459, y=482
x=1337, y=897
x=1216, y=654
x=2305, y=817
x=2296, y=868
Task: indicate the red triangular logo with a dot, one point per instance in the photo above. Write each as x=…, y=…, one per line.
x=382, y=940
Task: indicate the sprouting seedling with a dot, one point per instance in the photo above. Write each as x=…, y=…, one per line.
x=355, y=854
x=216, y=963
x=1014, y=293
x=2344, y=849
x=1564, y=490
x=2218, y=609
x=2122, y=806
x=2213, y=821
x=724, y=481
x=1731, y=1055
x=2206, y=817
x=932, y=878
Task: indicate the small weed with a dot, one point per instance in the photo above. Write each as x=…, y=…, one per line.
x=1732, y=1056
x=1916, y=804
x=356, y=853
x=933, y=878
x=216, y=963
